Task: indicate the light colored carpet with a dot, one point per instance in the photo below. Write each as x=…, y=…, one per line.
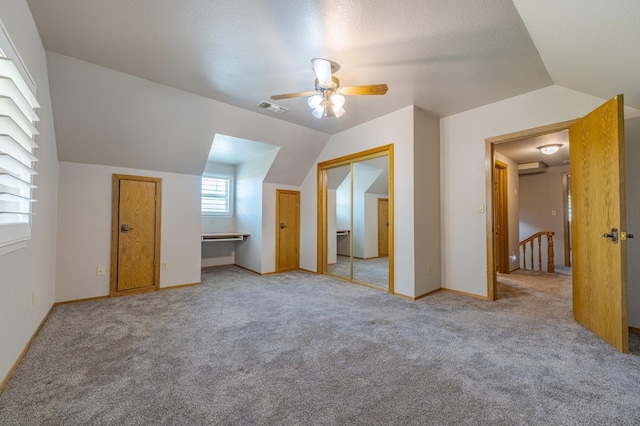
x=300, y=349
x=373, y=271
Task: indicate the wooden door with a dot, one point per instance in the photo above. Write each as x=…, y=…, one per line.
x=135, y=242
x=501, y=220
x=598, y=206
x=383, y=227
x=287, y=230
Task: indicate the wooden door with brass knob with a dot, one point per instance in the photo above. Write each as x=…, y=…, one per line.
x=287, y=230
x=135, y=234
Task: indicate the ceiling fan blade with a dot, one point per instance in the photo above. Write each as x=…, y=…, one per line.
x=293, y=95
x=322, y=69
x=369, y=89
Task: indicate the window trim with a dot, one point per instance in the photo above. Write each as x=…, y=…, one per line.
x=230, y=196
x=18, y=144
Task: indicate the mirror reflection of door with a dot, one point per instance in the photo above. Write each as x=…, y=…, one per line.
x=357, y=220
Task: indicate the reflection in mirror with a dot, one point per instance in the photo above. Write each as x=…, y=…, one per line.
x=339, y=221
x=370, y=203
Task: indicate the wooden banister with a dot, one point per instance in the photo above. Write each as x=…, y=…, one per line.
x=538, y=237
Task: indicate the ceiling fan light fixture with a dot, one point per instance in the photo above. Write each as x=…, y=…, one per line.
x=337, y=99
x=549, y=149
x=318, y=111
x=338, y=111
x=314, y=101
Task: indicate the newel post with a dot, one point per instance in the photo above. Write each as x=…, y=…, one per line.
x=550, y=266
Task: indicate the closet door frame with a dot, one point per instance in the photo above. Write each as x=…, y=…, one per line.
x=322, y=213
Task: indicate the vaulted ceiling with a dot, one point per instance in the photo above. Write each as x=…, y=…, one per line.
x=443, y=56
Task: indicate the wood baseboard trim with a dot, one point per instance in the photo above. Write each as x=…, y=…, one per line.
x=429, y=293
x=422, y=296
x=88, y=299
x=634, y=330
x=251, y=270
x=308, y=271
x=15, y=365
x=173, y=287
x=207, y=268
x=463, y=293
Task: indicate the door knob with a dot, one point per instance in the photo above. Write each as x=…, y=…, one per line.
x=125, y=228
x=613, y=235
x=282, y=225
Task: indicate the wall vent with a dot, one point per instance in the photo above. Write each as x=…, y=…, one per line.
x=531, y=168
x=272, y=107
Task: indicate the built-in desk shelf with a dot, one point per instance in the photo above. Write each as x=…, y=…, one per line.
x=224, y=236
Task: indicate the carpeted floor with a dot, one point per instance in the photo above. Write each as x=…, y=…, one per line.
x=299, y=349
x=373, y=271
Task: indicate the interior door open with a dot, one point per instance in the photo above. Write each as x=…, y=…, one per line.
x=599, y=223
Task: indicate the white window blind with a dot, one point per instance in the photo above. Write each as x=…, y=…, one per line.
x=217, y=194
x=17, y=134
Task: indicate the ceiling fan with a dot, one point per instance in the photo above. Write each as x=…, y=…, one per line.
x=328, y=98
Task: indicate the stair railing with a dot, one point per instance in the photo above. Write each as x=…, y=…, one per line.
x=530, y=241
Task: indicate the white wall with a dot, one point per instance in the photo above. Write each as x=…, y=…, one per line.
x=426, y=188
x=632, y=137
x=540, y=194
x=332, y=229
x=513, y=210
x=343, y=216
x=395, y=128
x=463, y=166
x=371, y=224
x=84, y=229
x=31, y=270
x=250, y=210
x=363, y=178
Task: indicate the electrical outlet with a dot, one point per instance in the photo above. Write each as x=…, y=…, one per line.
x=99, y=271
x=481, y=208
x=428, y=269
x=165, y=266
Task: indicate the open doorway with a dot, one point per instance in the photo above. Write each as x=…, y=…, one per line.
x=599, y=287
x=528, y=189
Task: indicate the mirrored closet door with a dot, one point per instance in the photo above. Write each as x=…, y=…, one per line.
x=356, y=221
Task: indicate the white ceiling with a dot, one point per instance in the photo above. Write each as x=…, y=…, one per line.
x=442, y=56
x=526, y=150
x=231, y=150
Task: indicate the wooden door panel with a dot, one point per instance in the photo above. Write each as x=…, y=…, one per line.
x=383, y=227
x=137, y=246
x=598, y=205
x=135, y=241
x=287, y=230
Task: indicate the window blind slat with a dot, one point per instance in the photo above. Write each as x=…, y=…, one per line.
x=8, y=88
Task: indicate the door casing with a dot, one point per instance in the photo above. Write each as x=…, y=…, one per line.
x=501, y=199
x=115, y=234
x=322, y=204
x=489, y=185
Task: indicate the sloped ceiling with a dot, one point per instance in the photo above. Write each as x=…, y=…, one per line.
x=591, y=46
x=443, y=56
